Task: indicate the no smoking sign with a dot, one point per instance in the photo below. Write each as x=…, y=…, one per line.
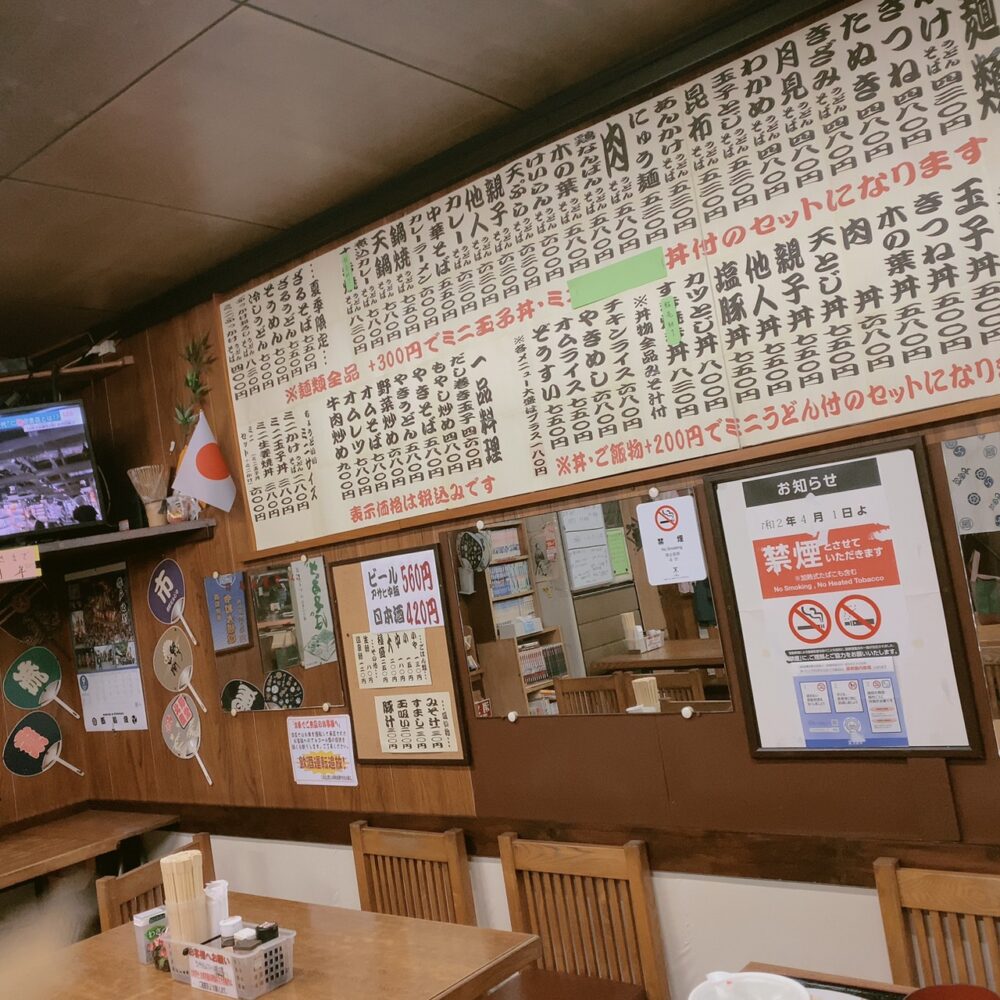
x=809, y=621
x=666, y=517
x=858, y=617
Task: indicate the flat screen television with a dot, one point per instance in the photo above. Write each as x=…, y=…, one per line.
x=47, y=473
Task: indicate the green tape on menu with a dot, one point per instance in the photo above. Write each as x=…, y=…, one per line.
x=616, y=278
x=348, y=269
x=671, y=325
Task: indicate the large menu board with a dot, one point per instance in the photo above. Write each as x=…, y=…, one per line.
x=803, y=238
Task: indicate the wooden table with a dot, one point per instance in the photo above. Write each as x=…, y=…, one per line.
x=48, y=847
x=828, y=979
x=674, y=654
x=338, y=955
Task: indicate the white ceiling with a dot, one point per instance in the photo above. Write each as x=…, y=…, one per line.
x=144, y=141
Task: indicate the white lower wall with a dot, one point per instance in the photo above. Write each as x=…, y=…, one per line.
x=708, y=923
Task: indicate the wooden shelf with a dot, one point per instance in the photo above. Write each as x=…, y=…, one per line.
x=512, y=597
x=109, y=541
x=538, y=685
x=535, y=635
x=71, y=376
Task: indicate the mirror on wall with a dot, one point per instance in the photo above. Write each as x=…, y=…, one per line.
x=973, y=468
x=575, y=611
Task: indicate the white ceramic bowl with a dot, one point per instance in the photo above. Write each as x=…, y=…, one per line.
x=748, y=986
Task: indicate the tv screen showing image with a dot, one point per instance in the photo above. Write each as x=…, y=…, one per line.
x=47, y=476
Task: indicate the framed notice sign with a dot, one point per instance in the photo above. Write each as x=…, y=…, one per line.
x=842, y=612
x=398, y=659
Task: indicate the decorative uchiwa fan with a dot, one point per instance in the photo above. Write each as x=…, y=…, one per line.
x=474, y=554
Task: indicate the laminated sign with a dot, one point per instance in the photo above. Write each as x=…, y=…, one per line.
x=840, y=610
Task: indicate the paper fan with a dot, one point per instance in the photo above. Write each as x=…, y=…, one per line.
x=474, y=553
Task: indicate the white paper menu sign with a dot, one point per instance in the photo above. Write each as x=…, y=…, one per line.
x=585, y=543
x=416, y=723
x=804, y=237
x=392, y=659
x=671, y=540
x=402, y=592
x=212, y=972
x=321, y=750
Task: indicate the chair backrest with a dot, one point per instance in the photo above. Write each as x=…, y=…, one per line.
x=940, y=926
x=606, y=695
x=681, y=685
x=413, y=874
x=591, y=905
x=120, y=897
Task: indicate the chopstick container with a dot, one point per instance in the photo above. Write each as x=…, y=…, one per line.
x=189, y=919
x=219, y=970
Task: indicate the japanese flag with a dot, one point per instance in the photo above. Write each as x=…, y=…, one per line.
x=203, y=473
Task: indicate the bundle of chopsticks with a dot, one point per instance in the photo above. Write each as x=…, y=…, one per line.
x=183, y=883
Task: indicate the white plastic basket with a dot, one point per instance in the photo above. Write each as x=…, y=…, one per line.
x=252, y=973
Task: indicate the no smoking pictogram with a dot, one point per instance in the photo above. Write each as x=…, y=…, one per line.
x=809, y=621
x=858, y=617
x=666, y=518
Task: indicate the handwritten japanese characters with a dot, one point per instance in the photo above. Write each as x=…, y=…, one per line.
x=803, y=238
x=313, y=616
x=392, y=659
x=416, y=723
x=402, y=592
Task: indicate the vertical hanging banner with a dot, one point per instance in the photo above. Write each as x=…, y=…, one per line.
x=804, y=237
x=840, y=608
x=313, y=615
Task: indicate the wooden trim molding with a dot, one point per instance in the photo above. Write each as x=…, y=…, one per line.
x=822, y=860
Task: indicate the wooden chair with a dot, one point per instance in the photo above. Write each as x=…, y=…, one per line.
x=120, y=897
x=681, y=685
x=591, y=905
x=940, y=926
x=413, y=874
x=605, y=695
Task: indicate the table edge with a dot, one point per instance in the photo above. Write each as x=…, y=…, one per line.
x=828, y=977
x=92, y=849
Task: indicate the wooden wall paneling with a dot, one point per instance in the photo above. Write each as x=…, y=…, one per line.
x=974, y=783
x=21, y=798
x=9, y=801
x=376, y=790
x=161, y=773
x=229, y=746
x=433, y=791
x=134, y=410
x=714, y=784
x=278, y=789
x=582, y=769
x=99, y=424
x=816, y=857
